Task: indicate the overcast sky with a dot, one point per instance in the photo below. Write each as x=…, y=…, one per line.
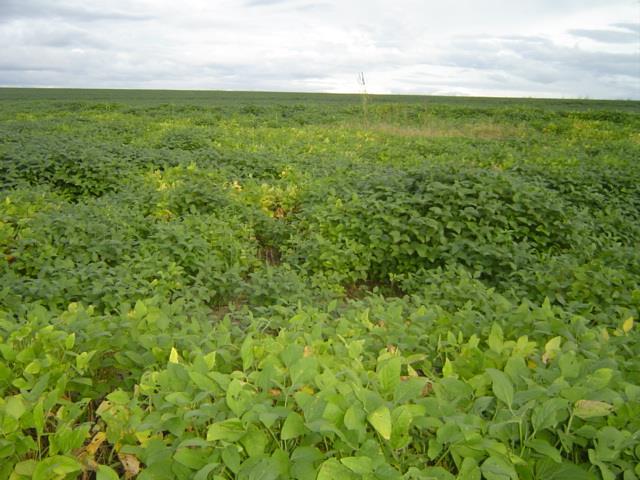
x=542, y=48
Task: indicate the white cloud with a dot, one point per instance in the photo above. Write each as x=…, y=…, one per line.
x=490, y=47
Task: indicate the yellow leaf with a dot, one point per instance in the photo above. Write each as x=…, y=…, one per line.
x=627, y=325
x=551, y=349
x=380, y=419
x=307, y=389
x=146, y=435
x=591, y=408
x=447, y=369
x=173, y=356
x=97, y=440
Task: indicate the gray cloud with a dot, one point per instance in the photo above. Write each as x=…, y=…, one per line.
x=52, y=35
x=320, y=45
x=537, y=60
x=634, y=27
x=21, y=9
x=607, y=36
x=255, y=3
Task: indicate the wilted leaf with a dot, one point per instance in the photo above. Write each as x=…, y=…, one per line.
x=97, y=440
x=591, y=408
x=130, y=463
x=551, y=349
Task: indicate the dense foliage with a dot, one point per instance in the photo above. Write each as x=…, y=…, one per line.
x=216, y=286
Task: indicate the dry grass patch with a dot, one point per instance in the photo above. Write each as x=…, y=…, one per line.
x=484, y=130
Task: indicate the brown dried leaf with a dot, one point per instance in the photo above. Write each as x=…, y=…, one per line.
x=275, y=392
x=130, y=463
x=427, y=389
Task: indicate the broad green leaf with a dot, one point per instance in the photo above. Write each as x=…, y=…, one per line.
x=238, y=399
x=360, y=465
x=599, y=379
x=83, y=359
x=303, y=370
x=203, y=473
x=609, y=443
x=280, y=463
x=410, y=389
x=389, y=375
x=469, y=470
x=202, y=381
x=106, y=473
x=502, y=386
x=380, y=419
x=26, y=467
x=332, y=469
x=231, y=458
x=56, y=467
x=140, y=310
x=548, y=413
x=547, y=469
x=7, y=448
x=436, y=473
x=178, y=398
x=230, y=430
x=255, y=441
x=15, y=406
x=448, y=370
x=191, y=457
x=258, y=469
x=569, y=366
x=497, y=468
x=246, y=352
x=354, y=418
x=401, y=420
x=605, y=471
x=292, y=427
x=545, y=448
x=119, y=397
x=496, y=338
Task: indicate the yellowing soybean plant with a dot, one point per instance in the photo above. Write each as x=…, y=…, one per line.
x=202, y=285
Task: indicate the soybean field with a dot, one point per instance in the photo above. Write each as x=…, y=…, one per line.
x=262, y=286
